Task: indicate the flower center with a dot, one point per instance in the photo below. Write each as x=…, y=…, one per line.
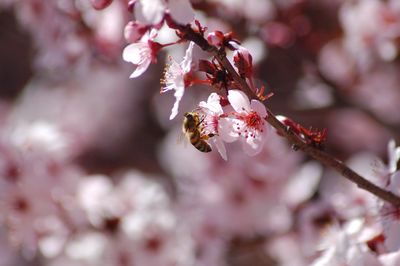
x=253, y=124
x=253, y=120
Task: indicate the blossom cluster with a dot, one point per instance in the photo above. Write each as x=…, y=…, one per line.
x=223, y=118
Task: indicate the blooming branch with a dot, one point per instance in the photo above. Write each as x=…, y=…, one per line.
x=285, y=131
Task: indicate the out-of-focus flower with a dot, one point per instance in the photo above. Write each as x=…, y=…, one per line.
x=336, y=63
x=181, y=11
x=142, y=53
x=151, y=12
x=390, y=259
x=212, y=110
x=177, y=78
x=343, y=248
x=137, y=213
x=371, y=29
x=255, y=11
x=384, y=104
x=246, y=123
x=35, y=192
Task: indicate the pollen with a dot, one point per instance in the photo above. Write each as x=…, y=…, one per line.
x=254, y=120
x=164, y=78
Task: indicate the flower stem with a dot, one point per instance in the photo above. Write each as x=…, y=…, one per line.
x=292, y=137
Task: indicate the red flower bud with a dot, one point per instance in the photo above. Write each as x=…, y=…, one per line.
x=243, y=61
x=215, y=38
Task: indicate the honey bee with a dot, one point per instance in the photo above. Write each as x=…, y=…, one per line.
x=192, y=131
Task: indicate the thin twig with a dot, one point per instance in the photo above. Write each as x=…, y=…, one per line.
x=293, y=138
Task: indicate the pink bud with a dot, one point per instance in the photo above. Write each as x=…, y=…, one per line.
x=215, y=38
x=100, y=4
x=243, y=61
x=134, y=31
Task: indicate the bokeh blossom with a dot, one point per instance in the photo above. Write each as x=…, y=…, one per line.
x=153, y=11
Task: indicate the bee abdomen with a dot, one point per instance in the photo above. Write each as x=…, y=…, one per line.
x=194, y=136
x=198, y=143
x=203, y=146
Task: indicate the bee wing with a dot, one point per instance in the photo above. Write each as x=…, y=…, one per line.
x=182, y=139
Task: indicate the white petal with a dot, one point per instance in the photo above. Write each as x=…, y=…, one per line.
x=213, y=104
x=394, y=156
x=252, y=146
x=390, y=259
x=259, y=107
x=186, y=64
x=133, y=53
x=179, y=91
x=226, y=129
x=140, y=69
x=181, y=11
x=152, y=34
x=149, y=12
x=219, y=144
x=239, y=101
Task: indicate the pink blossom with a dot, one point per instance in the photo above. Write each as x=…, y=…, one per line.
x=142, y=53
x=175, y=78
x=213, y=110
x=246, y=123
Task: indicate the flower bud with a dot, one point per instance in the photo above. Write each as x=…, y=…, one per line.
x=243, y=61
x=134, y=31
x=215, y=38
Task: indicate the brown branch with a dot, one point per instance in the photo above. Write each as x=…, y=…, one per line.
x=293, y=138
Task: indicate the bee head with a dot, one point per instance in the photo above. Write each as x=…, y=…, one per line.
x=188, y=115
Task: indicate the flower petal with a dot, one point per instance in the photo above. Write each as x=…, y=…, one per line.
x=226, y=129
x=133, y=53
x=149, y=12
x=179, y=91
x=239, y=101
x=181, y=11
x=394, y=156
x=186, y=64
x=213, y=104
x=259, y=107
x=219, y=144
x=140, y=69
x=252, y=146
